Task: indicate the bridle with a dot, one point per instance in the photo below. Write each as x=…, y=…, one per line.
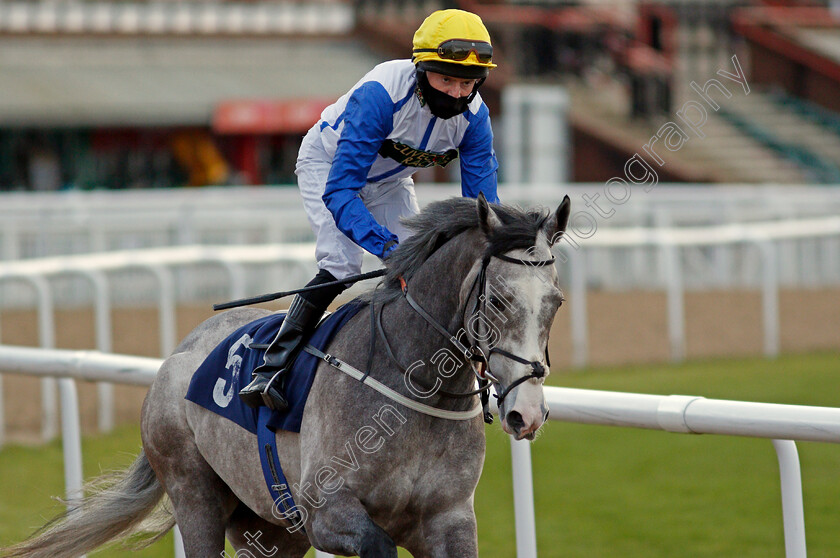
x=473, y=352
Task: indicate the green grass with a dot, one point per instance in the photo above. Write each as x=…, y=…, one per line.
x=600, y=491
x=32, y=477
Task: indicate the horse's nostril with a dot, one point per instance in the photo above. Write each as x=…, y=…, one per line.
x=514, y=420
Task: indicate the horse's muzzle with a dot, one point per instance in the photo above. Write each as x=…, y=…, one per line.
x=519, y=427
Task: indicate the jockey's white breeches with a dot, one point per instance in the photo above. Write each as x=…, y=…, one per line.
x=387, y=201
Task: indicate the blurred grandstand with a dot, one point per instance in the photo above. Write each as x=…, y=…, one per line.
x=131, y=94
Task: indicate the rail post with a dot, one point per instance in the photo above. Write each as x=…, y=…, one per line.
x=676, y=302
x=769, y=296
x=523, y=499
x=793, y=513
x=578, y=310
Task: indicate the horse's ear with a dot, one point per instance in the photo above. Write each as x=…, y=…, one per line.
x=556, y=224
x=487, y=219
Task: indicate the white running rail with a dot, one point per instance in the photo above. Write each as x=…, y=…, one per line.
x=672, y=413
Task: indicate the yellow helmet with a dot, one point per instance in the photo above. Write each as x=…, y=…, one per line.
x=454, y=43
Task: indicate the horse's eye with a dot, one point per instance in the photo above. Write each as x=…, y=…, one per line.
x=496, y=302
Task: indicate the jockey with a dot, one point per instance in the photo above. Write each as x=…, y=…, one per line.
x=355, y=165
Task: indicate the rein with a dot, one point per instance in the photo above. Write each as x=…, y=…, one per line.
x=402, y=369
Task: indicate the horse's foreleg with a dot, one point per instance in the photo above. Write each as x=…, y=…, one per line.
x=451, y=533
x=344, y=527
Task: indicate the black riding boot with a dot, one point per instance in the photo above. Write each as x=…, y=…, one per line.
x=266, y=386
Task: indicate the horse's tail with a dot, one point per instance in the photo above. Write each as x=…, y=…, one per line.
x=116, y=507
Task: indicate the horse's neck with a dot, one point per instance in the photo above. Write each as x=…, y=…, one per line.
x=437, y=284
x=436, y=287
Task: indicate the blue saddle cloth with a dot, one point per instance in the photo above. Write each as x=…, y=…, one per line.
x=215, y=385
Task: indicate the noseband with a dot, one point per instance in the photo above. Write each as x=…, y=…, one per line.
x=473, y=352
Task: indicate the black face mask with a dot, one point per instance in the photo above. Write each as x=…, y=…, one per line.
x=441, y=104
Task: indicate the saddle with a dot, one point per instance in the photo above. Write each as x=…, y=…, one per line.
x=227, y=369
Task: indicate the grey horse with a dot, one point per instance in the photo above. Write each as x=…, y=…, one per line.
x=370, y=469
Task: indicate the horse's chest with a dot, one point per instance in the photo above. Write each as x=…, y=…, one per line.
x=394, y=462
x=425, y=471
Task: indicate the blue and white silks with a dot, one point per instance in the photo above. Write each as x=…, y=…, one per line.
x=384, y=106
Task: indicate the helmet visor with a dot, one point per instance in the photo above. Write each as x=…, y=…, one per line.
x=459, y=50
x=454, y=69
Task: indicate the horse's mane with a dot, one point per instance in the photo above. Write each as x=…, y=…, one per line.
x=440, y=222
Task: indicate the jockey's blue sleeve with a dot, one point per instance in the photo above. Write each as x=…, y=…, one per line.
x=368, y=119
x=478, y=159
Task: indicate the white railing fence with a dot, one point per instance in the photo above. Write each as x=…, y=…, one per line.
x=675, y=413
x=160, y=265
x=768, y=239
x=49, y=224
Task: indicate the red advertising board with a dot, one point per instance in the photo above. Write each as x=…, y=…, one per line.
x=265, y=116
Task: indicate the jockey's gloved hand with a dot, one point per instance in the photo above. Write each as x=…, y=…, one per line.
x=390, y=246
